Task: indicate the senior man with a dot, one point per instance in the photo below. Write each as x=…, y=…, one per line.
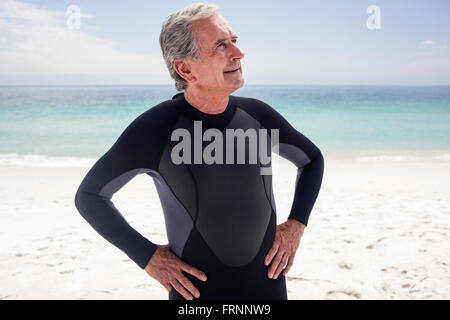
x=220, y=215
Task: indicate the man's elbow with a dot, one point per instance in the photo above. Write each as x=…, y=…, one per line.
x=316, y=166
x=80, y=201
x=317, y=161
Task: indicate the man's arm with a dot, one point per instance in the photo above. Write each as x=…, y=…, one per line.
x=309, y=161
x=136, y=151
x=127, y=158
x=310, y=166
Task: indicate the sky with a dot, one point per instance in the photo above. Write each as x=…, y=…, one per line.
x=320, y=42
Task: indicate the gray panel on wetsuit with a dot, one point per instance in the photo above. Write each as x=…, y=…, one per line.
x=179, y=223
x=296, y=155
x=234, y=210
x=117, y=183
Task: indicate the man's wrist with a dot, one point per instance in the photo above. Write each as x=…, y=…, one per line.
x=297, y=225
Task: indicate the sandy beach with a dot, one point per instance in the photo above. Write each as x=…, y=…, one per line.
x=379, y=230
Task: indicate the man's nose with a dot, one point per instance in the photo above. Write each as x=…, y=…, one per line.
x=237, y=53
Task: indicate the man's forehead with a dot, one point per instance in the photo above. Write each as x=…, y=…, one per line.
x=212, y=29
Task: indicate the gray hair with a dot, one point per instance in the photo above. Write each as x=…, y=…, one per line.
x=177, y=40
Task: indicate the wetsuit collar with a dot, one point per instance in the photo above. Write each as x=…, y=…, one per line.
x=210, y=119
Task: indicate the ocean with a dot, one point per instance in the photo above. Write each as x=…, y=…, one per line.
x=71, y=125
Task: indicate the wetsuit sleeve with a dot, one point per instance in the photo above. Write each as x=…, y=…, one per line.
x=298, y=149
x=136, y=151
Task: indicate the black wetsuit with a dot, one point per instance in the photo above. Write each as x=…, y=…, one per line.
x=220, y=218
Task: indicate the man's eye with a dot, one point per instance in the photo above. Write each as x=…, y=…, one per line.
x=225, y=45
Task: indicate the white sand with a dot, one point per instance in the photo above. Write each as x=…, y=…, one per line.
x=379, y=230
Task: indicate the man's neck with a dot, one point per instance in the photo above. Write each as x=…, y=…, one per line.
x=207, y=102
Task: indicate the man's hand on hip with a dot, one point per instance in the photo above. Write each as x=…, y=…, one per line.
x=166, y=267
x=284, y=247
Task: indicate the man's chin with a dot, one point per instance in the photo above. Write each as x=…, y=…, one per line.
x=237, y=85
x=241, y=83
x=238, y=82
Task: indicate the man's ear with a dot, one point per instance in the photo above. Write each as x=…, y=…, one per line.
x=184, y=70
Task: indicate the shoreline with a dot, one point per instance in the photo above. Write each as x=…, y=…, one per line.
x=51, y=161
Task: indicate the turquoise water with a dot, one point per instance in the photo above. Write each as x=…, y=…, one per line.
x=84, y=121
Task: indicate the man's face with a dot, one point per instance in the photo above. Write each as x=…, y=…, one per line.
x=219, y=56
